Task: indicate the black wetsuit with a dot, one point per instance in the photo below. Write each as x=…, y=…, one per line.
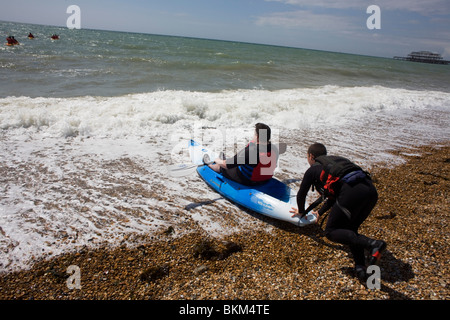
x=253, y=165
x=358, y=197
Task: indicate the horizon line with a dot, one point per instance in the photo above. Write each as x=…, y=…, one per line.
x=201, y=38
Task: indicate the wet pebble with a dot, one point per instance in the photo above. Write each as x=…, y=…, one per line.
x=282, y=263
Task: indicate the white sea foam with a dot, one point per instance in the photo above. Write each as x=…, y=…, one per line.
x=139, y=113
x=89, y=170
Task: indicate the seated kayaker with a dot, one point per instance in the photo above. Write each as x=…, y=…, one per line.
x=12, y=41
x=253, y=165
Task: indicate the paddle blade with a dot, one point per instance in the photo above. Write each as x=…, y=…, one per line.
x=282, y=146
x=181, y=170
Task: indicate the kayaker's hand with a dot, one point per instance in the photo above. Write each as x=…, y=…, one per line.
x=316, y=213
x=215, y=167
x=295, y=213
x=219, y=161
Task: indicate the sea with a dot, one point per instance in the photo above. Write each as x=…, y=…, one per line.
x=90, y=123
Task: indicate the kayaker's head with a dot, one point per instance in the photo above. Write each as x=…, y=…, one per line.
x=315, y=150
x=262, y=133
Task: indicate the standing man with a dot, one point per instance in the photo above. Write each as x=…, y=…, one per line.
x=351, y=196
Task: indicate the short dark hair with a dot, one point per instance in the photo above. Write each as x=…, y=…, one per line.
x=317, y=150
x=264, y=130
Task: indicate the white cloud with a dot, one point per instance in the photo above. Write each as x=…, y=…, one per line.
x=341, y=25
x=424, y=7
x=306, y=19
x=343, y=4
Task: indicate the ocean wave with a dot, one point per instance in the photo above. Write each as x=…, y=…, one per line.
x=328, y=106
x=91, y=171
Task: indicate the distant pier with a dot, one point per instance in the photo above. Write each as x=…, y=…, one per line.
x=424, y=57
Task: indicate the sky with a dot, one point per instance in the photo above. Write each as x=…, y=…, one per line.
x=330, y=25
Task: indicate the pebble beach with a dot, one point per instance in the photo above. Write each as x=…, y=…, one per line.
x=284, y=263
x=90, y=124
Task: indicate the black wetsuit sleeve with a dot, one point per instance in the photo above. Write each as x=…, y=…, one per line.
x=312, y=176
x=326, y=206
x=308, y=180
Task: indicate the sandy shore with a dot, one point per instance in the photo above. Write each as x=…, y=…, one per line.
x=290, y=263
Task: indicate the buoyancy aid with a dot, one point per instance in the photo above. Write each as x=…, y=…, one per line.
x=262, y=162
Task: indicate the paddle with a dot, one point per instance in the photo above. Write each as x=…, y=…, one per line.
x=282, y=146
x=185, y=169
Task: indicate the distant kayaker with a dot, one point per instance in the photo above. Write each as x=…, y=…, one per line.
x=12, y=41
x=351, y=196
x=30, y=36
x=253, y=165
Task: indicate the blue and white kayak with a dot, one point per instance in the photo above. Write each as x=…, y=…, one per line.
x=273, y=199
